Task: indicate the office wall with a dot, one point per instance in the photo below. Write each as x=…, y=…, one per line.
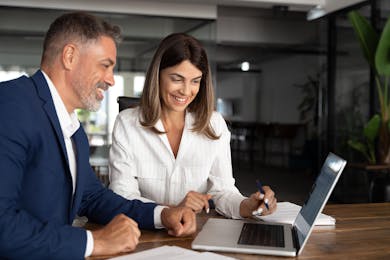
x=279, y=97
x=269, y=96
x=243, y=89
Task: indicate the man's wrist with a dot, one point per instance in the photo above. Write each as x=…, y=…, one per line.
x=158, y=223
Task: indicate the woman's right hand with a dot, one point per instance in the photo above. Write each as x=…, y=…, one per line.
x=196, y=201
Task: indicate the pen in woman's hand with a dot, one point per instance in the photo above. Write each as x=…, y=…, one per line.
x=260, y=188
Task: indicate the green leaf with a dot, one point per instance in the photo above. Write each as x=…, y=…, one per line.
x=371, y=129
x=360, y=147
x=366, y=34
x=371, y=152
x=382, y=56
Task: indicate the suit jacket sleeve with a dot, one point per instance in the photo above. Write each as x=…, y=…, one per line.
x=100, y=205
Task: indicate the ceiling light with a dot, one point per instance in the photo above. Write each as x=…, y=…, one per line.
x=315, y=13
x=245, y=66
x=331, y=6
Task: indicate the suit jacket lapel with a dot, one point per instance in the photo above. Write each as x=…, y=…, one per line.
x=48, y=105
x=81, y=149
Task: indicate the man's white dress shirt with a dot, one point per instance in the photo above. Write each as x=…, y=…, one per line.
x=143, y=166
x=69, y=125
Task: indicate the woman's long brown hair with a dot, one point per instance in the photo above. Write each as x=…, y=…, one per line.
x=172, y=50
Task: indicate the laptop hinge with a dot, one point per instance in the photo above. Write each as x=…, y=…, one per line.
x=295, y=239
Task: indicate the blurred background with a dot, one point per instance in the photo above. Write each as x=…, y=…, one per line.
x=289, y=76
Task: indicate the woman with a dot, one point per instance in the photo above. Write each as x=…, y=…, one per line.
x=174, y=148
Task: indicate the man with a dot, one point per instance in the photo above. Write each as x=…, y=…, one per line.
x=45, y=174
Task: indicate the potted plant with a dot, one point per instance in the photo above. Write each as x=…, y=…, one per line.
x=376, y=48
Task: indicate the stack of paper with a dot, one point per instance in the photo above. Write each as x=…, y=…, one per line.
x=286, y=212
x=172, y=253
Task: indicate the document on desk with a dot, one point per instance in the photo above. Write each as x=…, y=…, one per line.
x=286, y=212
x=172, y=253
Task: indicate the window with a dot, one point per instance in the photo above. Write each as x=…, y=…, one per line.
x=138, y=85
x=8, y=75
x=98, y=125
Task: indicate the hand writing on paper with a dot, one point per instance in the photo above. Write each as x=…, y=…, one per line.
x=256, y=203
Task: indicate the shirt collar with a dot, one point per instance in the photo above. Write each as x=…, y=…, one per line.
x=69, y=122
x=189, y=120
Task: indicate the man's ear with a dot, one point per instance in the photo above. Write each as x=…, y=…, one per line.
x=69, y=56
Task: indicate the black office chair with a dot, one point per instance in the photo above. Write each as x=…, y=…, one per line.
x=127, y=102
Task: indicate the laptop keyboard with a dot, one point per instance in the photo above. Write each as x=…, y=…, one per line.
x=261, y=235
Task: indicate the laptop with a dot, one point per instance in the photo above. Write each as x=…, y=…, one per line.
x=253, y=237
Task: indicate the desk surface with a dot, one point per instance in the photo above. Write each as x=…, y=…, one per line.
x=362, y=231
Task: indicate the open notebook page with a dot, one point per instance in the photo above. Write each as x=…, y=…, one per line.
x=286, y=212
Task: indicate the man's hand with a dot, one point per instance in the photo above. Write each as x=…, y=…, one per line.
x=255, y=203
x=196, y=201
x=179, y=221
x=119, y=236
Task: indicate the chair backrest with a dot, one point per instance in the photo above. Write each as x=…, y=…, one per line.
x=127, y=102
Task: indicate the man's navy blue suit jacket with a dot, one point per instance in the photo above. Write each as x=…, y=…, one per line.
x=36, y=202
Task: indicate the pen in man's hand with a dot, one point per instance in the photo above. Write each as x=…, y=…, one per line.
x=260, y=188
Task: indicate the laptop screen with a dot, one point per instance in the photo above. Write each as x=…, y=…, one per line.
x=321, y=190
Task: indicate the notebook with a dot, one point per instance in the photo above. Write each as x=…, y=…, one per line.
x=287, y=212
x=250, y=236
